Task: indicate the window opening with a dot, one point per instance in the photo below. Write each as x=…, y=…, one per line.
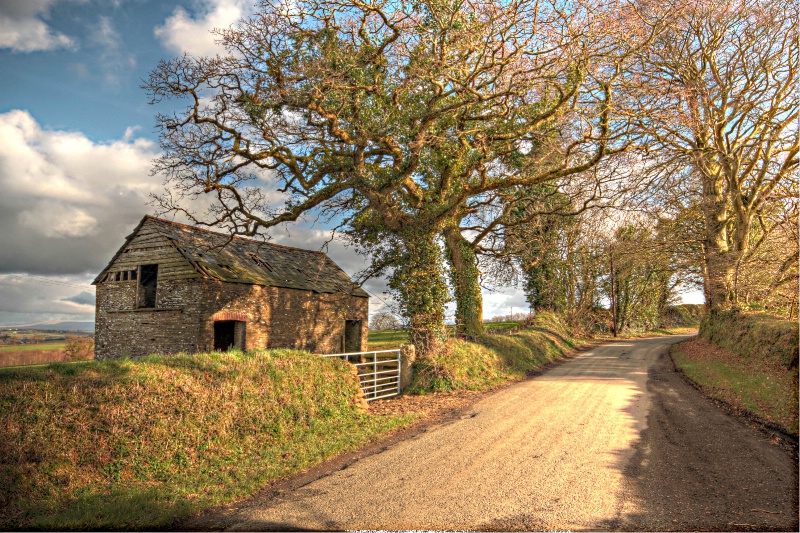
x=148, y=284
x=122, y=275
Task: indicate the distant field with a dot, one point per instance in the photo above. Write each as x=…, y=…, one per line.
x=392, y=338
x=40, y=347
x=500, y=326
x=35, y=354
x=387, y=338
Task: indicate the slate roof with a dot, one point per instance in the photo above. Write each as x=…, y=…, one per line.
x=239, y=260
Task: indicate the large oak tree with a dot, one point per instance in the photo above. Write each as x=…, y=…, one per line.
x=395, y=114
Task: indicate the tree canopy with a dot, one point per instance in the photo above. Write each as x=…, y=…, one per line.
x=398, y=115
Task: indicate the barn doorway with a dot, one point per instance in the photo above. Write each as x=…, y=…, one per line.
x=352, y=335
x=228, y=335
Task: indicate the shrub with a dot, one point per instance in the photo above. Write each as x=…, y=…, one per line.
x=79, y=348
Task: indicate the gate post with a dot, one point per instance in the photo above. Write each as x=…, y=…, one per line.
x=407, y=357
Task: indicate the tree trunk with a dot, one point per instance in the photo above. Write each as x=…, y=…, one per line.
x=466, y=283
x=423, y=291
x=613, y=298
x=720, y=265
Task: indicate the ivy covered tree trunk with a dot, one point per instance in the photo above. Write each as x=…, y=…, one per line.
x=466, y=283
x=422, y=289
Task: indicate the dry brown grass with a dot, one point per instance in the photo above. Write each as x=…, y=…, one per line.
x=38, y=357
x=137, y=444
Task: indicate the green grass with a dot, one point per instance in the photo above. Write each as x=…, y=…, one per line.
x=753, y=335
x=762, y=387
x=139, y=444
x=392, y=338
x=387, y=338
x=44, y=346
x=493, y=359
x=500, y=326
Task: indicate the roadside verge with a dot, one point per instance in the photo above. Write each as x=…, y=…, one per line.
x=761, y=391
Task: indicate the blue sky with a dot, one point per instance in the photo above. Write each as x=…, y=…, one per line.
x=77, y=138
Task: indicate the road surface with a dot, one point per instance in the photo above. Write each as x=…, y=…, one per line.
x=611, y=439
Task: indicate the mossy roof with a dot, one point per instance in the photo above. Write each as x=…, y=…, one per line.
x=237, y=259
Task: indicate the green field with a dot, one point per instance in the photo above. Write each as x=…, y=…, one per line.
x=44, y=346
x=387, y=338
x=392, y=338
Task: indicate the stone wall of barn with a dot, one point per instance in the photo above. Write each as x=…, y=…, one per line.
x=183, y=319
x=284, y=318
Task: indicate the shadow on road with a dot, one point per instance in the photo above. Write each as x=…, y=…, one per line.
x=696, y=468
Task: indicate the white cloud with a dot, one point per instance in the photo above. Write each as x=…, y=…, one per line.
x=33, y=299
x=510, y=300
x=23, y=30
x=53, y=219
x=68, y=201
x=191, y=33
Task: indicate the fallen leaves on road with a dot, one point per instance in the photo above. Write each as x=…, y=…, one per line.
x=425, y=405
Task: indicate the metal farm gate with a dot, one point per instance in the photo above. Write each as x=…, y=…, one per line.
x=378, y=372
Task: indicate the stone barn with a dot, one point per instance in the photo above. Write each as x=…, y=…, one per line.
x=177, y=288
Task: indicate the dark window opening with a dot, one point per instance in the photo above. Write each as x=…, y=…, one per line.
x=122, y=275
x=229, y=334
x=352, y=335
x=148, y=285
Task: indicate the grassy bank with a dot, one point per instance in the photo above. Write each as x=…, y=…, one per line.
x=759, y=386
x=387, y=339
x=492, y=359
x=753, y=335
x=138, y=444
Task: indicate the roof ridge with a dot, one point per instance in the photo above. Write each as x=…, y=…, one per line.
x=228, y=235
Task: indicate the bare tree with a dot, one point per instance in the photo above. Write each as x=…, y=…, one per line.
x=720, y=118
x=381, y=321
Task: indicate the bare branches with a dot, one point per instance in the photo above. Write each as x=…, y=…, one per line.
x=714, y=96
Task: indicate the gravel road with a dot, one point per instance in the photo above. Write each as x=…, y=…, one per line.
x=611, y=439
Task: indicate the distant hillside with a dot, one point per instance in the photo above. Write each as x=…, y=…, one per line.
x=55, y=326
